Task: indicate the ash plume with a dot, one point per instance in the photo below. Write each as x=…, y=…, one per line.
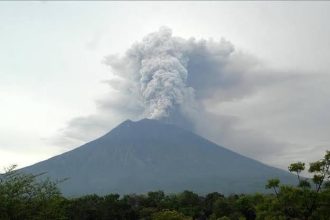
x=186, y=82
x=213, y=89
x=171, y=76
x=176, y=80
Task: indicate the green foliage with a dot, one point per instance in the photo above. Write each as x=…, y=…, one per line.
x=304, y=184
x=209, y=202
x=246, y=206
x=155, y=198
x=189, y=203
x=296, y=167
x=303, y=201
x=222, y=207
x=22, y=196
x=169, y=215
x=273, y=183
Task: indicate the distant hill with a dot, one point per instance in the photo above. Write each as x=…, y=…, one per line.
x=147, y=155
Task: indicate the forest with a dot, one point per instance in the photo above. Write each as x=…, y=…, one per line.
x=26, y=196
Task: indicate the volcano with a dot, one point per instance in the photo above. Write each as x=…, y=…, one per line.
x=148, y=155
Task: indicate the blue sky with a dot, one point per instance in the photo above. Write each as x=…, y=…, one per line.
x=51, y=70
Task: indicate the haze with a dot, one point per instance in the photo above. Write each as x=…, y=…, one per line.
x=54, y=85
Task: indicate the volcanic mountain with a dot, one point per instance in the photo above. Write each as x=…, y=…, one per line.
x=148, y=155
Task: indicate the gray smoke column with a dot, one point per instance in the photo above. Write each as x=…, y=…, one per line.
x=163, y=73
x=169, y=76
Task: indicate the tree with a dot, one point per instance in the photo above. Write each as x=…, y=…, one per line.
x=209, y=202
x=246, y=206
x=25, y=196
x=155, y=199
x=297, y=168
x=189, y=204
x=273, y=184
x=303, y=202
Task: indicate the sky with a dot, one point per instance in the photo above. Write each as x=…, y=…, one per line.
x=54, y=75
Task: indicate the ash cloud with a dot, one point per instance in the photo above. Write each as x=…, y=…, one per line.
x=175, y=80
x=188, y=82
x=170, y=77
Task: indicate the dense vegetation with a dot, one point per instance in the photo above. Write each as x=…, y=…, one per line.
x=27, y=197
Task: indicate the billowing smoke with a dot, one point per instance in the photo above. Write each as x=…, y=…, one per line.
x=176, y=80
x=211, y=88
x=169, y=77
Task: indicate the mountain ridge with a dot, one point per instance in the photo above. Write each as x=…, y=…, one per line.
x=147, y=155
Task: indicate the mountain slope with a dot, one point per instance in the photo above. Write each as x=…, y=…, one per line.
x=137, y=157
